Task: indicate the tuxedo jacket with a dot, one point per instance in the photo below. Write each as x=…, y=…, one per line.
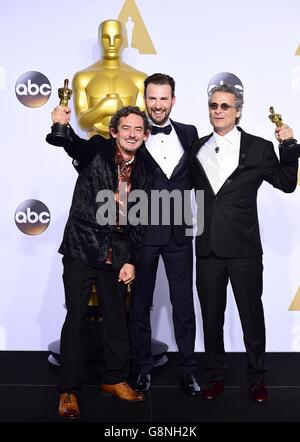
x=231, y=228
x=180, y=180
x=84, y=238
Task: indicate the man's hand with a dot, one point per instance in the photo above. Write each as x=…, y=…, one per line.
x=127, y=273
x=283, y=133
x=61, y=114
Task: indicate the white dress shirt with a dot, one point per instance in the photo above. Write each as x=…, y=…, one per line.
x=166, y=150
x=219, y=157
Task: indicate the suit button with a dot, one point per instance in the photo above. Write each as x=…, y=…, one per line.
x=216, y=198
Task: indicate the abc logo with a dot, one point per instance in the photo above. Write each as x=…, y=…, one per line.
x=33, y=89
x=227, y=78
x=32, y=217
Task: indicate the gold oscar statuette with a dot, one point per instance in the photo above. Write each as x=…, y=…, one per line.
x=61, y=131
x=275, y=118
x=290, y=150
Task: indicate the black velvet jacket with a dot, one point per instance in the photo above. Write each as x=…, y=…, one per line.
x=84, y=239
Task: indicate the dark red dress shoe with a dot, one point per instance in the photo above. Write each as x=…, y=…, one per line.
x=259, y=392
x=212, y=390
x=68, y=406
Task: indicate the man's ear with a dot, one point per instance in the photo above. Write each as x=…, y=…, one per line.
x=146, y=135
x=113, y=133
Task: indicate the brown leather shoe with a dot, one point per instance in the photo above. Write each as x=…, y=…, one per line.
x=122, y=391
x=68, y=406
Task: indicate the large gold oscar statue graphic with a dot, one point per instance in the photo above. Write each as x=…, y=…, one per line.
x=107, y=85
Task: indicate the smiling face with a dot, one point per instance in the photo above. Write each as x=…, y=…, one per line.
x=159, y=102
x=130, y=135
x=223, y=121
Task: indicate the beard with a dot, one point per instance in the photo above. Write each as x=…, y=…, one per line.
x=155, y=120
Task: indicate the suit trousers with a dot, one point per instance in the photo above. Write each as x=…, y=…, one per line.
x=78, y=279
x=178, y=261
x=245, y=274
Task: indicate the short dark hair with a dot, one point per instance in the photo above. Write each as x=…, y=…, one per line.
x=124, y=112
x=158, y=78
x=239, y=99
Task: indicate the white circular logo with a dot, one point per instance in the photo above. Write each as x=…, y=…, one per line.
x=33, y=89
x=32, y=217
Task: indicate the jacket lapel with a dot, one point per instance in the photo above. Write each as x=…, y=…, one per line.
x=182, y=163
x=155, y=167
x=181, y=135
x=199, y=143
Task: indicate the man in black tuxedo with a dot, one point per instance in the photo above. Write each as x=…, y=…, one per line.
x=167, y=153
x=230, y=165
x=100, y=249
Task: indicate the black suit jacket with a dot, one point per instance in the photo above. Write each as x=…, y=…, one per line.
x=231, y=227
x=180, y=180
x=84, y=239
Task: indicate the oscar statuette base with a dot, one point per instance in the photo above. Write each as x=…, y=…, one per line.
x=93, y=339
x=60, y=133
x=159, y=352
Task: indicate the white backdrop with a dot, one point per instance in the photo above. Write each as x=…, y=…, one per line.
x=194, y=41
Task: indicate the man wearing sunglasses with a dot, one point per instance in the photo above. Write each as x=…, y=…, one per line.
x=230, y=165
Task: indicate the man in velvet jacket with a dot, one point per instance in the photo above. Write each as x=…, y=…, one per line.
x=103, y=252
x=230, y=165
x=167, y=153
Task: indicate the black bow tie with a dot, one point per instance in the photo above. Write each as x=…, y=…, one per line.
x=159, y=129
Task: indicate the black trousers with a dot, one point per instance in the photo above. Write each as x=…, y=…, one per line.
x=245, y=275
x=178, y=261
x=78, y=279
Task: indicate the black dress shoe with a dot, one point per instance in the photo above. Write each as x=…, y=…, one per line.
x=259, y=393
x=143, y=383
x=189, y=385
x=213, y=389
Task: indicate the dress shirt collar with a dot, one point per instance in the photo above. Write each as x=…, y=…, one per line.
x=231, y=137
x=163, y=125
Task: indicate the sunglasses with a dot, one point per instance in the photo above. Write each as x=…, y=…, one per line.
x=223, y=106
